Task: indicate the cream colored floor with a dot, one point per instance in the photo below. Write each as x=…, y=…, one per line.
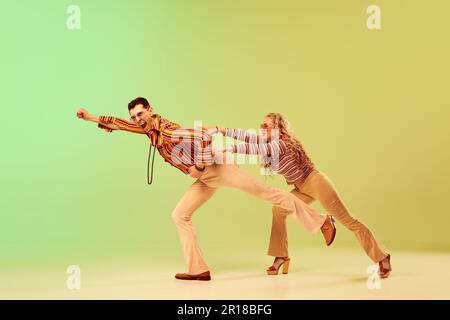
x=314, y=274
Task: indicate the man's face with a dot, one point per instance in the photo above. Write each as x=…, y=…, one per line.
x=141, y=116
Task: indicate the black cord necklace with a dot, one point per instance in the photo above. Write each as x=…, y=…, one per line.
x=150, y=176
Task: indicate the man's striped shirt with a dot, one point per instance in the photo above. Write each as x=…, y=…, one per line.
x=182, y=148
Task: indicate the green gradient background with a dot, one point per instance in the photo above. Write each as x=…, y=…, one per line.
x=371, y=107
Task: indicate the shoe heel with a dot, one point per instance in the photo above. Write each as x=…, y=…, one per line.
x=286, y=266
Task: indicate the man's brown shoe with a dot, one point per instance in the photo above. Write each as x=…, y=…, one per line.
x=205, y=276
x=328, y=230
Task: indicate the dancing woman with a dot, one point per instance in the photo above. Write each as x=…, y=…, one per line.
x=309, y=184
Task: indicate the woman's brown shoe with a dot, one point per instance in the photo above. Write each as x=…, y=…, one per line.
x=329, y=230
x=272, y=271
x=383, y=271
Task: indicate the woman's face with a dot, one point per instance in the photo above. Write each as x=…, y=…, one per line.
x=267, y=126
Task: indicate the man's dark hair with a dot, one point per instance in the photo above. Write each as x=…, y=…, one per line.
x=138, y=100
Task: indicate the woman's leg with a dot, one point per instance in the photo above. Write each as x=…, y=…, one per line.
x=278, y=245
x=320, y=187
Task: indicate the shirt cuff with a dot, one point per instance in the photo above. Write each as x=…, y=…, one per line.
x=229, y=132
x=101, y=126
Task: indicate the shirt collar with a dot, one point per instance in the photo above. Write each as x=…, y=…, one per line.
x=156, y=123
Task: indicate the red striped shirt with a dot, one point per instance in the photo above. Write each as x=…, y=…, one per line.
x=182, y=148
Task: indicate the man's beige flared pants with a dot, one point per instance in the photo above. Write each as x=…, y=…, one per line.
x=230, y=175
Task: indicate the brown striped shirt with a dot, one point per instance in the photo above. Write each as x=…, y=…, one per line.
x=182, y=148
x=281, y=156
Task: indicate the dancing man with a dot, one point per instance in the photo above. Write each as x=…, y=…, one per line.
x=190, y=151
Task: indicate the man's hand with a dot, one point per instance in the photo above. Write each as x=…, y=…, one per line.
x=194, y=172
x=83, y=114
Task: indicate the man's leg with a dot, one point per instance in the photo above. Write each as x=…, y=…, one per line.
x=197, y=194
x=278, y=245
x=231, y=176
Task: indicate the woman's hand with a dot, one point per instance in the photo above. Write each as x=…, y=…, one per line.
x=224, y=150
x=215, y=130
x=220, y=155
x=211, y=130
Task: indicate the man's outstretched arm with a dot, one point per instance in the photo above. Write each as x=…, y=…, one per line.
x=110, y=123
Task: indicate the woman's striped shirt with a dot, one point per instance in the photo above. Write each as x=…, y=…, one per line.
x=280, y=155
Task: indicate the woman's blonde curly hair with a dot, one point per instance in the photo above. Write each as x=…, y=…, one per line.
x=285, y=133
